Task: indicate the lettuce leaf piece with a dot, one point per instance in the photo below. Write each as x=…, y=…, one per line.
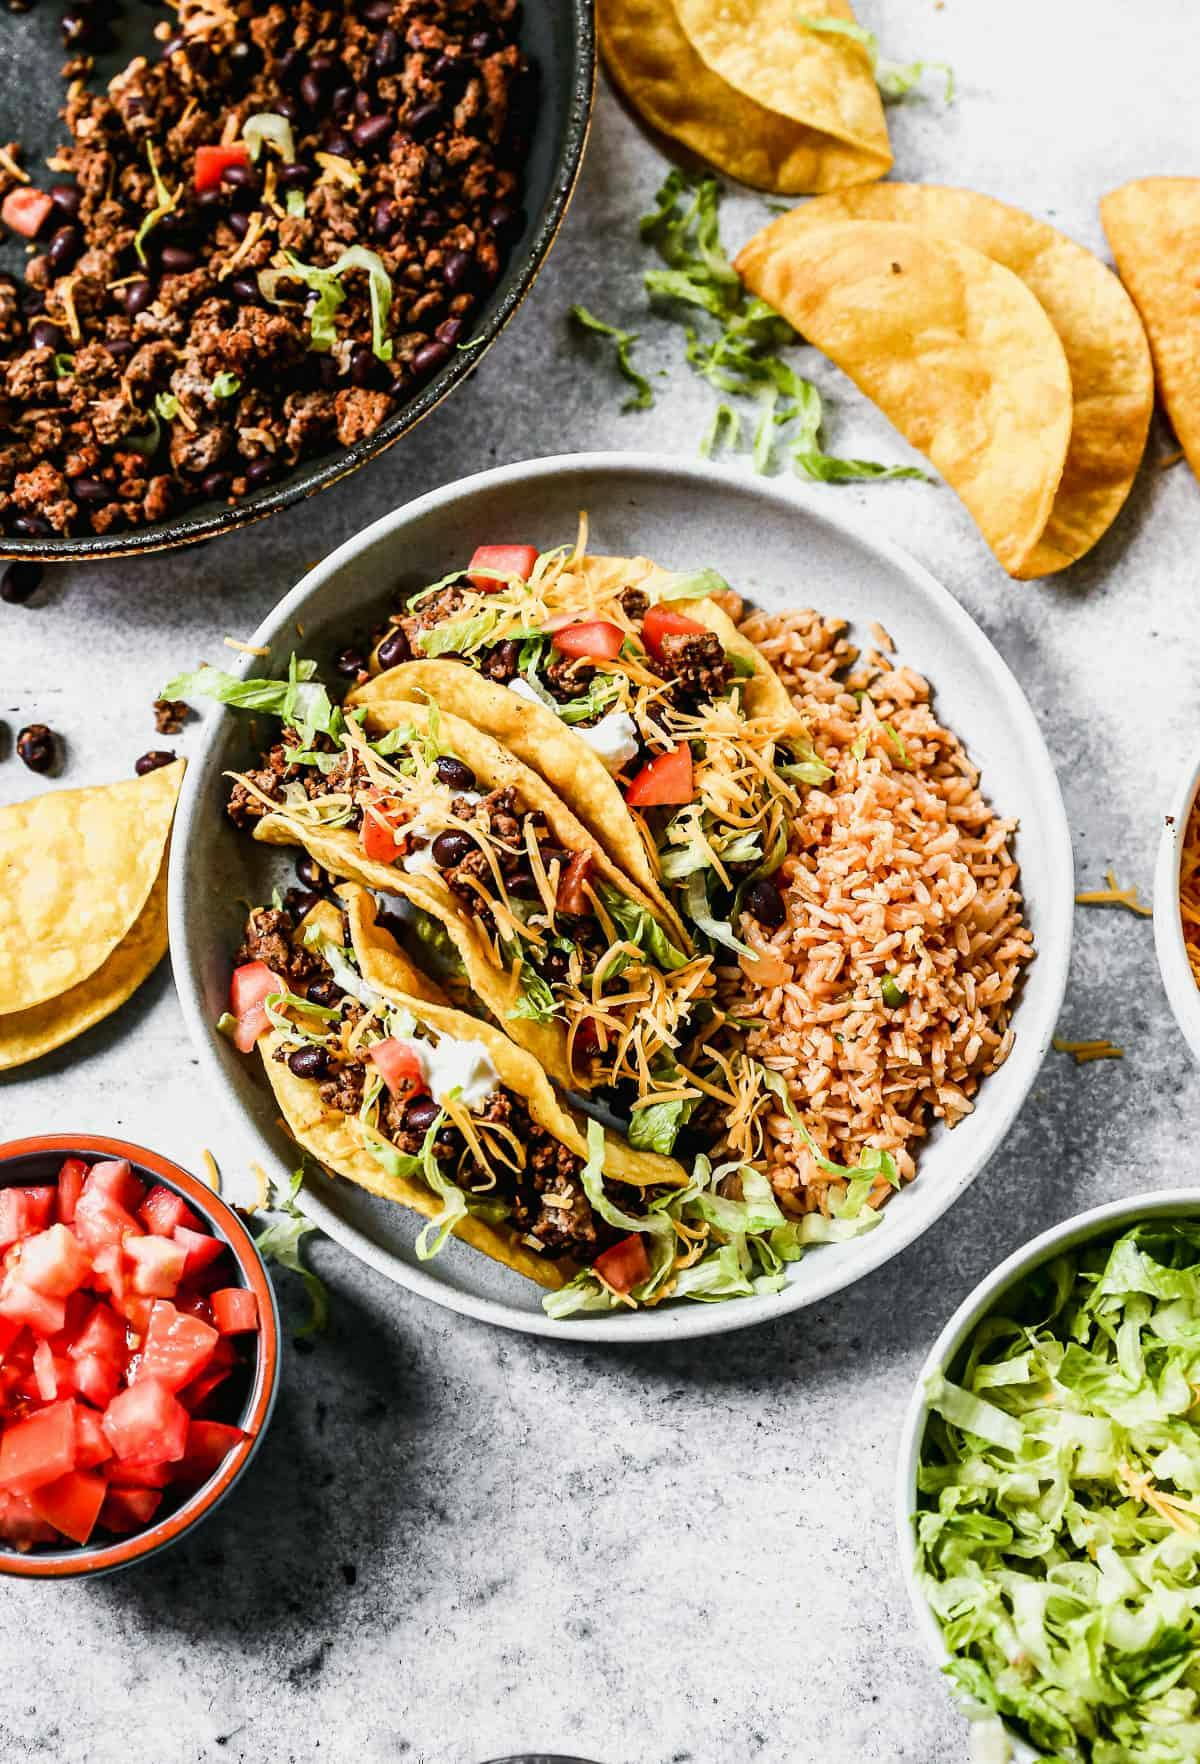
x=269, y=126
x=641, y=927
x=300, y=700
x=280, y=1241
x=875, y=1162
x=894, y=79
x=695, y=899
x=642, y=396
x=657, y=1127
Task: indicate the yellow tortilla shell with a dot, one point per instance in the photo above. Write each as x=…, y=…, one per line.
x=27, y=1035
x=1153, y=226
x=654, y=63
x=340, y=852
x=1112, y=381
x=76, y=870
x=950, y=345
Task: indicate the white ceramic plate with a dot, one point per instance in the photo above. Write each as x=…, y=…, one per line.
x=1182, y=991
x=1111, y=1218
x=778, y=547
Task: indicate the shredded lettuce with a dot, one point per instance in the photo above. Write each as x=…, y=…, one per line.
x=642, y=396
x=164, y=202
x=325, y=283
x=656, y=1127
x=641, y=927
x=269, y=126
x=280, y=1242
x=1058, y=1521
x=895, y=79
x=696, y=906
x=875, y=1162
x=536, y=1000
x=225, y=385
x=300, y=700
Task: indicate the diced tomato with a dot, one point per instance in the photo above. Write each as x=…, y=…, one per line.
x=625, y=1265
x=44, y=1373
x=163, y=1209
x=70, y=1186
x=660, y=622
x=249, y=986
x=213, y=162
x=20, y=1525
x=54, y=1262
x=26, y=210
x=594, y=640
x=24, y=1304
x=200, y=1247
x=208, y=1445
x=667, y=779
x=379, y=839
x=235, y=1310
x=128, y=1509
x=158, y=1264
x=195, y=1304
x=110, y=1269
x=97, y=1379
x=103, y=1333
x=101, y=1220
x=398, y=1065
x=145, y=1421
x=91, y=1441
x=193, y=1396
x=72, y=1504
x=150, y=1474
x=136, y=1308
x=38, y=1449
x=492, y=565
x=177, y=1347
x=24, y=1211
x=115, y=1178
x=9, y=1331
x=571, y=897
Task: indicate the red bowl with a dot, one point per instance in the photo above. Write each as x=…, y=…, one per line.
x=35, y=1161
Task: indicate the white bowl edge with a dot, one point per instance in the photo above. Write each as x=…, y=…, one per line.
x=1169, y=947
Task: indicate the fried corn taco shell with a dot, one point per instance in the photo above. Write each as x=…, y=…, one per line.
x=76, y=870
x=335, y=1141
x=825, y=131
x=340, y=852
x=548, y=745
x=1153, y=226
x=1112, y=380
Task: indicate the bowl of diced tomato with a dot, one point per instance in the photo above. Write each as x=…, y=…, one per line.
x=139, y=1353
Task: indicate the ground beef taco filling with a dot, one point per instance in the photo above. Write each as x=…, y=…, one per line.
x=256, y=246
x=528, y=1177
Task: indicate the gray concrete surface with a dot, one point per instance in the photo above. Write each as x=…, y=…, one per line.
x=458, y=1543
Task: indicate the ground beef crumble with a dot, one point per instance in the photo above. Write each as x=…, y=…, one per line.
x=129, y=389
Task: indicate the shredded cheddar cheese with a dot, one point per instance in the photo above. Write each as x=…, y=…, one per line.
x=1113, y=895
x=1084, y=1051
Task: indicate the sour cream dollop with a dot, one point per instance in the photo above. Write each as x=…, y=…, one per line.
x=523, y=689
x=449, y=1065
x=613, y=739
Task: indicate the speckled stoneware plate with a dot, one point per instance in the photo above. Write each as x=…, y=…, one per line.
x=780, y=548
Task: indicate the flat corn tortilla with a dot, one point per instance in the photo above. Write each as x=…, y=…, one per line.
x=951, y=346
x=1153, y=226
x=666, y=81
x=76, y=870
x=27, y=1035
x=1112, y=379
x=382, y=964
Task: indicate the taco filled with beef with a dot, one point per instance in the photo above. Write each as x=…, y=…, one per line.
x=422, y=1104
x=633, y=694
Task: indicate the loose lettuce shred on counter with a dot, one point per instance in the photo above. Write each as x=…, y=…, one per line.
x=1058, y=1522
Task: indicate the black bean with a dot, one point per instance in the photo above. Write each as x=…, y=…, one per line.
x=309, y=1062
x=300, y=901
x=377, y=11
x=216, y=484
x=342, y=103
x=259, y=471
x=339, y=143
x=19, y=582
x=90, y=490
x=64, y=247
x=423, y=120
x=386, y=52
x=45, y=335
x=362, y=103
x=429, y=357
x=451, y=848
x=504, y=220
x=455, y=772
x=138, y=296
x=457, y=269
x=350, y=663
x=328, y=371
x=392, y=923
x=373, y=131
x=366, y=369
x=322, y=992
x=450, y=331
x=120, y=348
x=323, y=65
x=764, y=902
x=295, y=176
x=245, y=288
x=481, y=43
x=384, y=219
x=290, y=66
x=445, y=67
x=430, y=221
x=32, y=526
x=239, y=177
x=32, y=301
x=240, y=223
x=177, y=260
x=312, y=90
x=35, y=746
x=310, y=872
x=394, y=649
x=287, y=107
x=66, y=198
x=150, y=762
x=420, y=1114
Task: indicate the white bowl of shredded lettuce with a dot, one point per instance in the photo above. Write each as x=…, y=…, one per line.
x=1048, y=1492
x=1176, y=969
